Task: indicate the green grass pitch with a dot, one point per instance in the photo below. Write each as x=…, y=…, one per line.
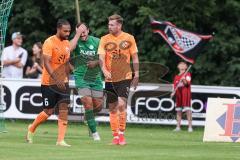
x=145, y=142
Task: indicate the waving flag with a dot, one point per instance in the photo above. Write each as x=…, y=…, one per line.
x=185, y=44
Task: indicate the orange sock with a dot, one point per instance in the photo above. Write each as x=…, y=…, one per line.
x=38, y=120
x=114, y=122
x=122, y=121
x=62, y=127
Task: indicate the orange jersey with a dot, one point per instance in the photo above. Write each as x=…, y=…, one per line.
x=59, y=51
x=118, y=51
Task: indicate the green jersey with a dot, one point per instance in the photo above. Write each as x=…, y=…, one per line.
x=86, y=51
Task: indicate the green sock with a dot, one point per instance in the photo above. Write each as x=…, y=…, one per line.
x=91, y=121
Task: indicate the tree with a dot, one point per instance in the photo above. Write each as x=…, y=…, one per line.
x=218, y=64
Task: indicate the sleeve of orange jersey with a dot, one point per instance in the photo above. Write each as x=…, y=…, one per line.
x=133, y=48
x=47, y=48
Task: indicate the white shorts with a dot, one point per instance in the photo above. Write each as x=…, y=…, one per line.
x=183, y=109
x=91, y=93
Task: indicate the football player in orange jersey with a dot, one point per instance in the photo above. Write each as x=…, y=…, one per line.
x=115, y=52
x=54, y=83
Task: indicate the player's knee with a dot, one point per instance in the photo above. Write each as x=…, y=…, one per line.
x=87, y=106
x=98, y=106
x=121, y=106
x=63, y=106
x=97, y=109
x=113, y=109
x=87, y=102
x=49, y=111
x=63, y=111
x=63, y=114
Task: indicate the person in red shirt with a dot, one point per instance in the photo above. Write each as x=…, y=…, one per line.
x=182, y=88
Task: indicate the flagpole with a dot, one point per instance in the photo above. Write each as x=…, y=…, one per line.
x=174, y=91
x=77, y=11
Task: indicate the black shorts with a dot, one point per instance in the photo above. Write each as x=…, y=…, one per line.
x=52, y=95
x=117, y=89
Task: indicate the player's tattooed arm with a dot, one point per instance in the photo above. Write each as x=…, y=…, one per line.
x=69, y=68
x=102, y=64
x=54, y=75
x=136, y=70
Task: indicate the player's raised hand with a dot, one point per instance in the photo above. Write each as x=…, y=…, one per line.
x=80, y=29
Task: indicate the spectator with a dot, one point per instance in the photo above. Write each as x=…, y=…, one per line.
x=14, y=58
x=34, y=64
x=182, y=92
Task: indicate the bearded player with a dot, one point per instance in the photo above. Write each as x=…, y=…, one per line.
x=54, y=83
x=87, y=74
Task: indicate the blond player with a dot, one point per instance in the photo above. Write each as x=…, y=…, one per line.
x=115, y=52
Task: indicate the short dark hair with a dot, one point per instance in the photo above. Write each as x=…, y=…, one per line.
x=62, y=22
x=80, y=23
x=116, y=17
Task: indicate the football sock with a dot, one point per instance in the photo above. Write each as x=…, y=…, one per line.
x=122, y=121
x=91, y=120
x=114, y=122
x=38, y=120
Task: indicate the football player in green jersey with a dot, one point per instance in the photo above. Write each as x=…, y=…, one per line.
x=87, y=74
